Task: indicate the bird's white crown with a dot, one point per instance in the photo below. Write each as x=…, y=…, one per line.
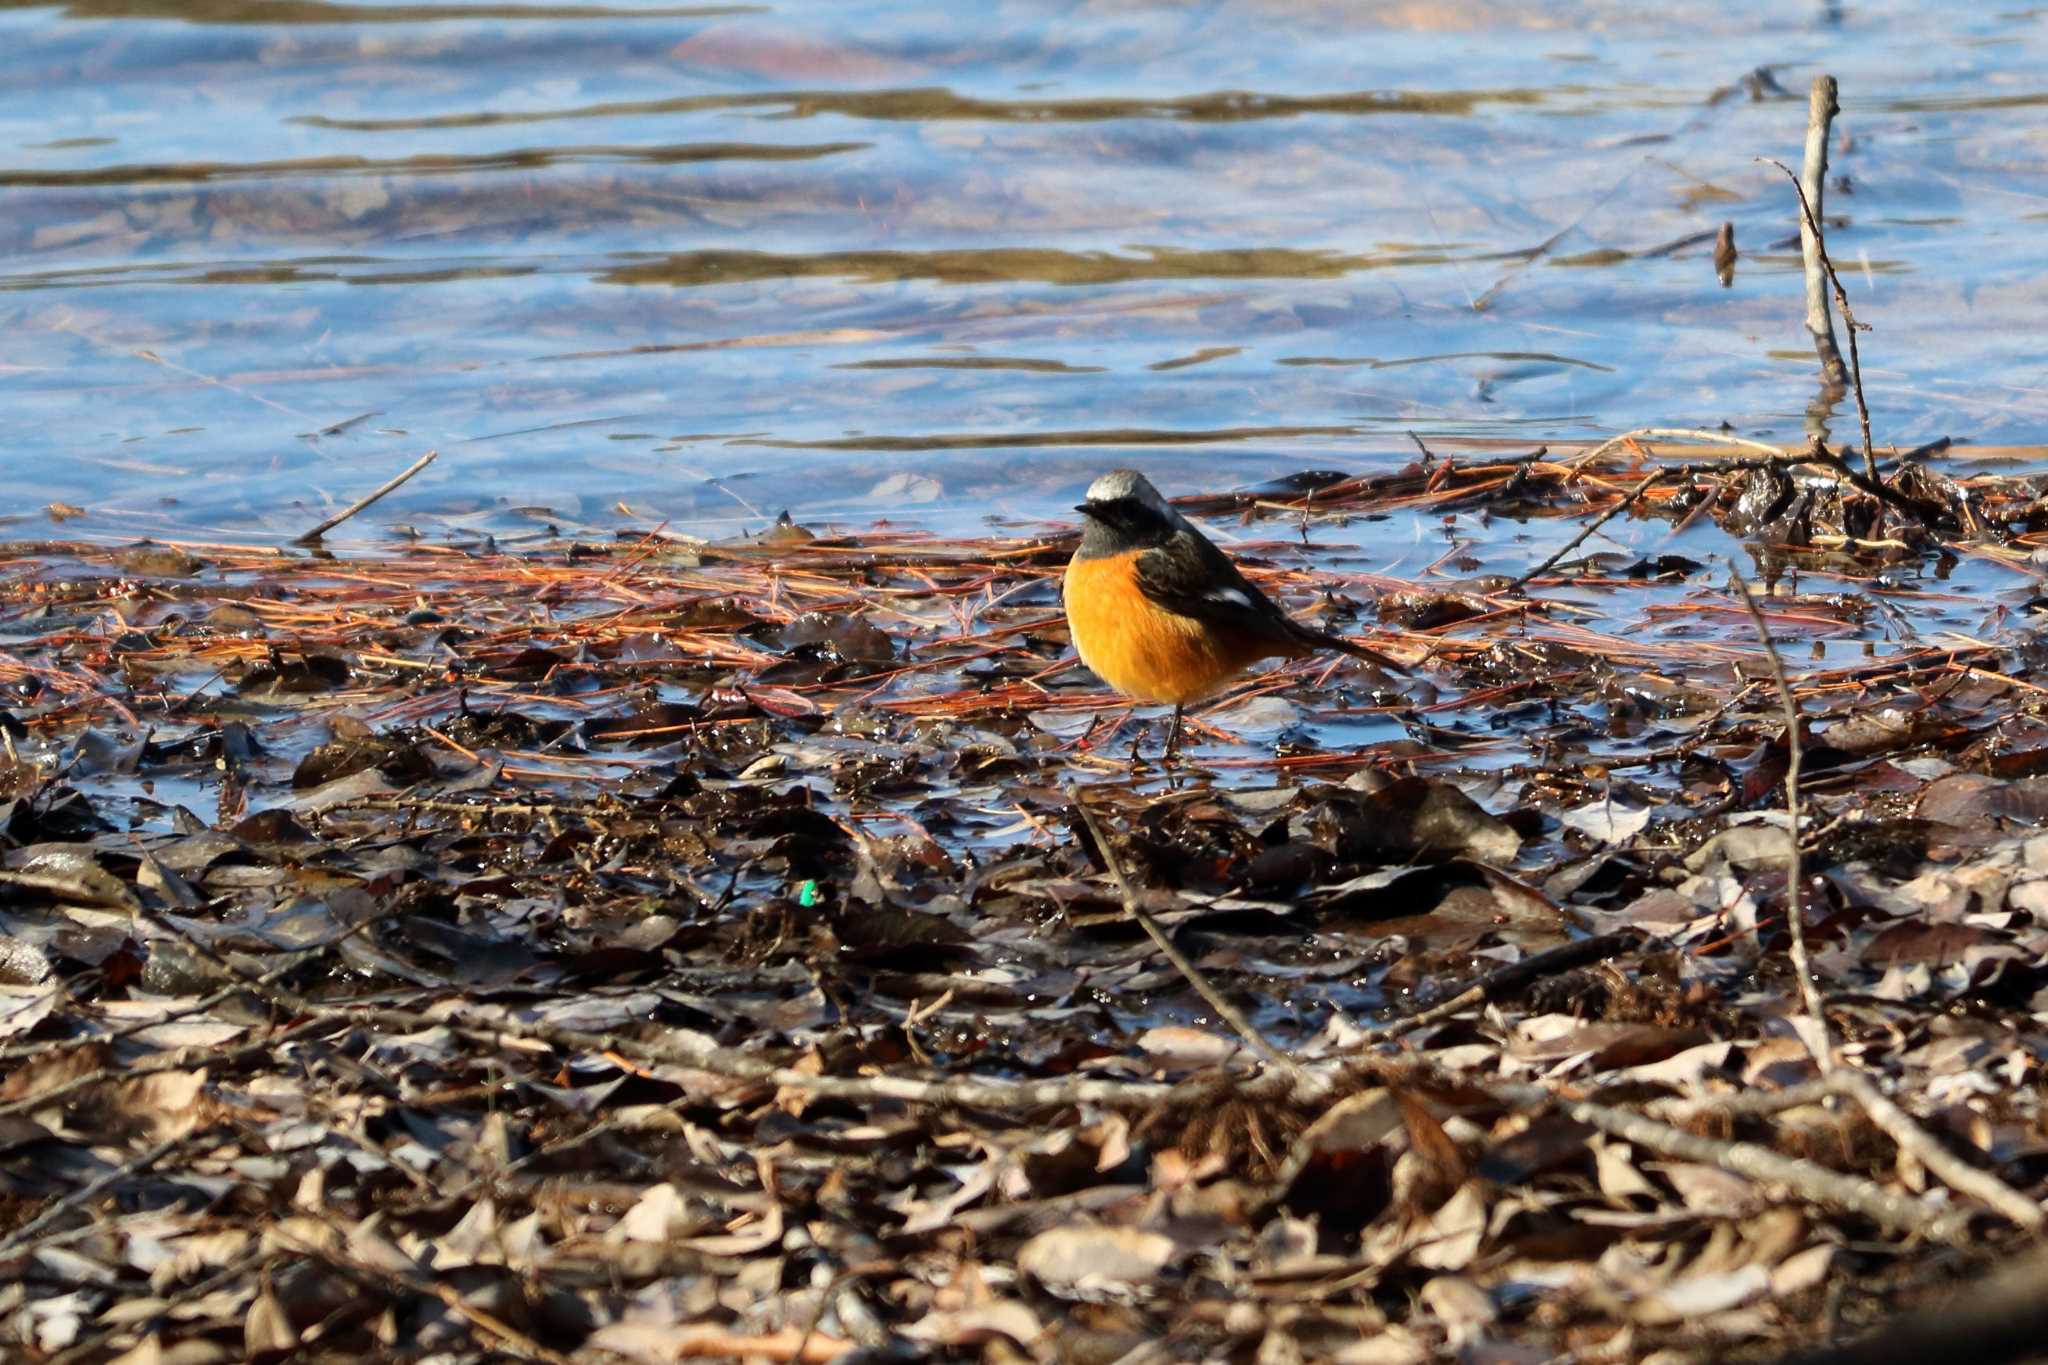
x=1126, y=483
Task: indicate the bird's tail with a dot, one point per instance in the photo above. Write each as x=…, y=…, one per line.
x=1321, y=639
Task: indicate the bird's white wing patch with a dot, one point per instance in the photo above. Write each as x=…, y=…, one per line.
x=1234, y=596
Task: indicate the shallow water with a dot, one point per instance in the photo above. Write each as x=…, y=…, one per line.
x=630, y=265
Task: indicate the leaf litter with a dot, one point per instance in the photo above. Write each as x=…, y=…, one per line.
x=653, y=949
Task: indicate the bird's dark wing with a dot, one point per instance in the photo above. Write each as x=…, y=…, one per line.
x=1191, y=577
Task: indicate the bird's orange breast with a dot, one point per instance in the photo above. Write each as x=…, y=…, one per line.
x=1139, y=647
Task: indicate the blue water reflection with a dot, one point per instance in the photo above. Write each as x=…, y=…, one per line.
x=634, y=264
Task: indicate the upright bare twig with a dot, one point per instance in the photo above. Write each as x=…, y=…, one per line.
x=1795, y=876
x=1815, y=237
x=1821, y=109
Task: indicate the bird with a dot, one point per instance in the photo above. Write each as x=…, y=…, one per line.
x=1162, y=615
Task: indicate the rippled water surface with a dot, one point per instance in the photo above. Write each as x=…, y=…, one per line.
x=627, y=265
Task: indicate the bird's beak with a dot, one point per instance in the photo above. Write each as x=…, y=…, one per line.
x=1086, y=509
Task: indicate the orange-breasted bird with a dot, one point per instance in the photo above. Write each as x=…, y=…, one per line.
x=1162, y=615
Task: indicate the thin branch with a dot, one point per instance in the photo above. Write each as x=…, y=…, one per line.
x=1773, y=457
x=1899, y=1212
x=1742, y=1104
x=1588, y=529
x=312, y=537
x=183, y=1059
x=680, y=1048
x=1795, y=877
x=676, y=1048
x=1226, y=1011
x=964, y=1093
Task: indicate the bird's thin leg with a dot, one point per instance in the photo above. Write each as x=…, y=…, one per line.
x=1173, y=737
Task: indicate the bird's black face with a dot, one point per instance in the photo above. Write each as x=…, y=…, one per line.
x=1119, y=524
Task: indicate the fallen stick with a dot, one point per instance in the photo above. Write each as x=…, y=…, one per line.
x=713, y=1343
x=1950, y=1169
x=312, y=537
x=1773, y=457
x=1743, y=1104
x=1848, y=1083
x=1686, y=434
x=1804, y=1179
x=180, y=1059
x=676, y=1049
